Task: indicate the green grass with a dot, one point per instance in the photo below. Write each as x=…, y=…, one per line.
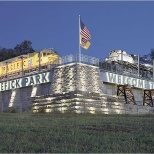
x=76, y=133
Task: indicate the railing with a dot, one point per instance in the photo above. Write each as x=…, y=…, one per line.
x=126, y=70
x=75, y=58
x=72, y=58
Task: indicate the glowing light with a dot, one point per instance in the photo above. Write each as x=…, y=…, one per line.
x=77, y=107
x=92, y=108
x=47, y=110
x=78, y=111
x=35, y=107
x=106, y=110
x=13, y=95
x=63, y=108
x=92, y=112
x=34, y=90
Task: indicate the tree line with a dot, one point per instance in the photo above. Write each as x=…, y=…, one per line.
x=19, y=49
x=148, y=58
x=26, y=47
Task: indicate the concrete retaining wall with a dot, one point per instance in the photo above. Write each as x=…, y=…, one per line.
x=21, y=98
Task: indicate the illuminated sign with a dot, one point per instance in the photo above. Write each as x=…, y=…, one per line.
x=121, y=79
x=26, y=81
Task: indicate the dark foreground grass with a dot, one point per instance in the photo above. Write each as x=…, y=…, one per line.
x=76, y=133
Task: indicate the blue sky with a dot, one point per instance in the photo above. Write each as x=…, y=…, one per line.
x=113, y=25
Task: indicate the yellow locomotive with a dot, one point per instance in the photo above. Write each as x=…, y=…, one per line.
x=28, y=62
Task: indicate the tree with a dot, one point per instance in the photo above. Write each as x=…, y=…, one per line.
x=6, y=54
x=152, y=54
x=19, y=49
x=24, y=47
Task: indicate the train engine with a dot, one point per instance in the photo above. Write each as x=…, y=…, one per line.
x=28, y=63
x=122, y=63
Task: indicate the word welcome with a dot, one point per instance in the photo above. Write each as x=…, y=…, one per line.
x=26, y=81
x=120, y=79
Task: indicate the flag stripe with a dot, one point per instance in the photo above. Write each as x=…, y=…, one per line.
x=84, y=31
x=84, y=36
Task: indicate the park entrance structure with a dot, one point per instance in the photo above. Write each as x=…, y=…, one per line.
x=78, y=87
x=88, y=86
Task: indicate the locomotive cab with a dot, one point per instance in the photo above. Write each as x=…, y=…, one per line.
x=48, y=57
x=120, y=55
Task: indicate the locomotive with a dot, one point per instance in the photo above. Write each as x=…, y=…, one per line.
x=122, y=63
x=120, y=55
x=27, y=62
x=116, y=55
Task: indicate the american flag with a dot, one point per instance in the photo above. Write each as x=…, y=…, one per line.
x=84, y=36
x=84, y=31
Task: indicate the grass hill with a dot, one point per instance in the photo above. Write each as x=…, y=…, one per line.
x=76, y=133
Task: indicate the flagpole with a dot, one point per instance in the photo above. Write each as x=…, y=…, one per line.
x=79, y=42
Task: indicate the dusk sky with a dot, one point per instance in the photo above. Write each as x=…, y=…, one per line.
x=113, y=25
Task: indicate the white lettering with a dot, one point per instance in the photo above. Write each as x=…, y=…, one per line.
x=120, y=79
x=112, y=77
x=140, y=83
x=27, y=81
x=134, y=82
